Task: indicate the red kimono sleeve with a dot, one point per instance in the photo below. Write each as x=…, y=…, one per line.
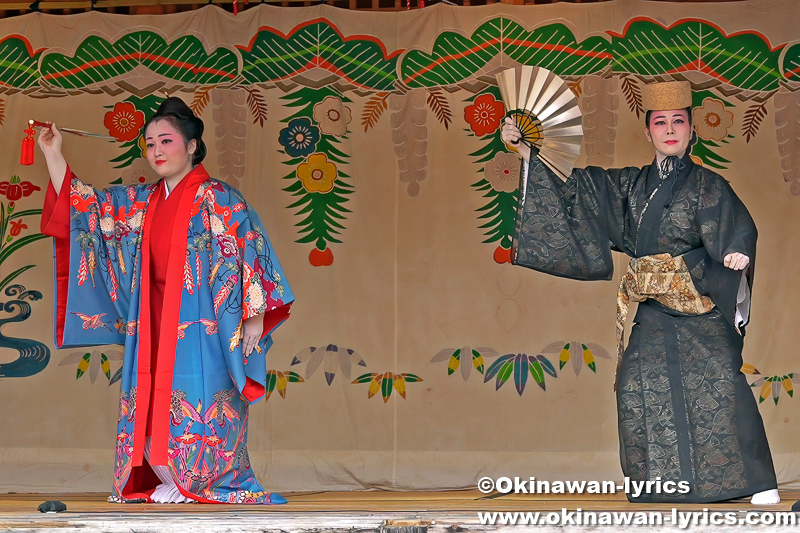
x=55, y=222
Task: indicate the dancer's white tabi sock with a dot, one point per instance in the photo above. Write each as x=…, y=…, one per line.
x=168, y=491
x=767, y=497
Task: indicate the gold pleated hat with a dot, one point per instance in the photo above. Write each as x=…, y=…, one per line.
x=667, y=95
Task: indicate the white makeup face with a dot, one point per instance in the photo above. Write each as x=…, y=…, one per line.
x=669, y=131
x=167, y=152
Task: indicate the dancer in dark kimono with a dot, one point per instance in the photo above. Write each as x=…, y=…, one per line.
x=686, y=412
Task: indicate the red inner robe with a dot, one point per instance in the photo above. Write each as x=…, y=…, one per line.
x=155, y=370
x=56, y=212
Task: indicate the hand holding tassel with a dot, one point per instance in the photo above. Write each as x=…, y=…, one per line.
x=50, y=139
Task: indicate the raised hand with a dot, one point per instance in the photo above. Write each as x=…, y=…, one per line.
x=510, y=134
x=50, y=142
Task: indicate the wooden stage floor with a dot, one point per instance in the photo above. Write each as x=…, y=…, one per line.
x=352, y=512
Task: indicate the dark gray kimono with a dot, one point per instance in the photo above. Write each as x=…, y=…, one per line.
x=686, y=412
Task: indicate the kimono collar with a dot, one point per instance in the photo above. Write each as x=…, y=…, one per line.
x=680, y=169
x=195, y=176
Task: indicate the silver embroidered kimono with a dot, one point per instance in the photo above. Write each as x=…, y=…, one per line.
x=686, y=412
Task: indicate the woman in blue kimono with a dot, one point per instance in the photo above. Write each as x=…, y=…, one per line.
x=182, y=273
x=685, y=411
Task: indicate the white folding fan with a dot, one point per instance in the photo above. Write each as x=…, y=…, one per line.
x=546, y=111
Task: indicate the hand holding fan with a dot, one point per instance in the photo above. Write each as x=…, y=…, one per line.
x=546, y=112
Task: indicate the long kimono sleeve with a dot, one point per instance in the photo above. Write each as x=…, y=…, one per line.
x=264, y=290
x=89, y=299
x=568, y=228
x=725, y=227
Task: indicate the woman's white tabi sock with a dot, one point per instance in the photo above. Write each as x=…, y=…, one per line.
x=168, y=491
x=767, y=497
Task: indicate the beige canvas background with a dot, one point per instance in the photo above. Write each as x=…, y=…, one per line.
x=410, y=278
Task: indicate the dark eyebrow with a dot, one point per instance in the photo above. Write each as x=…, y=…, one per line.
x=160, y=135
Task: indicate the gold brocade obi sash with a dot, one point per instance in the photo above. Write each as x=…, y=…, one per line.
x=663, y=278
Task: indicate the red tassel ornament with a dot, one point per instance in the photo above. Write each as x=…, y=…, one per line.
x=26, y=157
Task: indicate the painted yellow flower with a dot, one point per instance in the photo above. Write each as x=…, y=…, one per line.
x=712, y=120
x=318, y=174
x=332, y=116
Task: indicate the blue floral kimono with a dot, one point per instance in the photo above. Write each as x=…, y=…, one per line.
x=190, y=388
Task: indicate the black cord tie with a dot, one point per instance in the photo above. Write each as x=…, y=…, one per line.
x=670, y=168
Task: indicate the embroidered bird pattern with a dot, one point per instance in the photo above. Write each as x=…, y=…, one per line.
x=92, y=321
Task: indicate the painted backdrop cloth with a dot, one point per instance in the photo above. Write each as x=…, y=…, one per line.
x=686, y=412
x=196, y=389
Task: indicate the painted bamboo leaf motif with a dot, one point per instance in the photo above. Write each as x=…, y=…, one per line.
x=18, y=64
x=386, y=383
x=277, y=380
x=772, y=386
x=580, y=353
x=456, y=58
x=332, y=356
x=743, y=60
x=272, y=56
x=94, y=363
x=519, y=365
x=387, y=386
x=454, y=359
x=96, y=60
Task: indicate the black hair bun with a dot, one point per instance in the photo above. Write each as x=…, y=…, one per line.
x=175, y=106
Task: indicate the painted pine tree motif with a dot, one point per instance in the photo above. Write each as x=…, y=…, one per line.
x=312, y=140
x=98, y=61
x=500, y=181
x=745, y=60
x=457, y=57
